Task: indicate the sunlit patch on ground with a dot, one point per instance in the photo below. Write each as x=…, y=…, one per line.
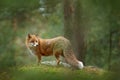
x=53, y=63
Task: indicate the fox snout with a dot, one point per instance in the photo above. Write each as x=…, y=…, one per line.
x=33, y=44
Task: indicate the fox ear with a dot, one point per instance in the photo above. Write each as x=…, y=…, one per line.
x=36, y=35
x=29, y=35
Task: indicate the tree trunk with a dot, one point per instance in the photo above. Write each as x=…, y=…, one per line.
x=79, y=31
x=110, y=51
x=14, y=23
x=68, y=19
x=72, y=27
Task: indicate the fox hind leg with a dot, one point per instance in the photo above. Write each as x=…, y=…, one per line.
x=57, y=56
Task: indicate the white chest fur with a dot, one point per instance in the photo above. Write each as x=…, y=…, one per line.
x=32, y=52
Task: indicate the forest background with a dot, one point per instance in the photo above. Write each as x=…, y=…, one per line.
x=92, y=26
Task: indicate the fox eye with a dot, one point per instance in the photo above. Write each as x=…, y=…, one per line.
x=36, y=41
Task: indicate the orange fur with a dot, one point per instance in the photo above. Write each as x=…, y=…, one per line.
x=58, y=46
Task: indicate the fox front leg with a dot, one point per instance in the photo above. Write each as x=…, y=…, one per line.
x=39, y=59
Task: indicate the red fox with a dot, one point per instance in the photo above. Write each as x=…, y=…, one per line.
x=58, y=46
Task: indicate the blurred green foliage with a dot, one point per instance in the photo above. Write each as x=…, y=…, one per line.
x=13, y=8
x=7, y=47
x=100, y=19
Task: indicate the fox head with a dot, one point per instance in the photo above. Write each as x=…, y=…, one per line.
x=32, y=40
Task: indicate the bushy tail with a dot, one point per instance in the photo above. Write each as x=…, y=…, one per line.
x=71, y=59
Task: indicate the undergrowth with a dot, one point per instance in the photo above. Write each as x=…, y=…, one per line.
x=44, y=72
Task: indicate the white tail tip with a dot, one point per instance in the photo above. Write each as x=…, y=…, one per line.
x=80, y=65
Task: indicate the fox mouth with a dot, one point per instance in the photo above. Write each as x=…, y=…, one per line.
x=33, y=44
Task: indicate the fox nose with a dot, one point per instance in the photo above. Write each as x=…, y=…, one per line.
x=35, y=44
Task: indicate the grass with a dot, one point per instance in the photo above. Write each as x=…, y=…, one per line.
x=44, y=72
x=47, y=72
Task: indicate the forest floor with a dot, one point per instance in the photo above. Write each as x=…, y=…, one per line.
x=50, y=72
x=45, y=72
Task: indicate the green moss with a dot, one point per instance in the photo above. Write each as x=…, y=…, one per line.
x=44, y=72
